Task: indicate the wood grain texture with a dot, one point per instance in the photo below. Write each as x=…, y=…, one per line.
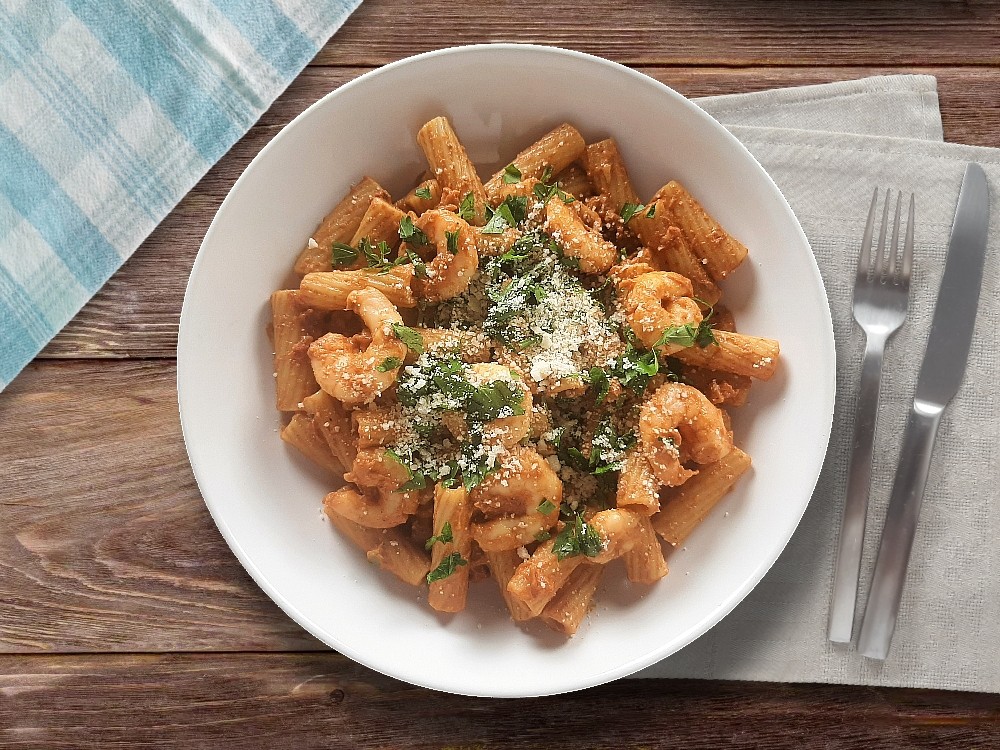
x=136, y=314
x=256, y=701
x=105, y=543
x=686, y=32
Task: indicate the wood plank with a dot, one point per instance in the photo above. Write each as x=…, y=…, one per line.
x=685, y=32
x=136, y=314
x=325, y=701
x=105, y=544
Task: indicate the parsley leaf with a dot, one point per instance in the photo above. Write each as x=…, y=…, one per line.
x=452, y=238
x=688, y=334
x=577, y=538
x=705, y=335
x=393, y=456
x=629, y=210
x=542, y=536
x=419, y=267
x=576, y=459
x=343, y=255
x=652, y=211
x=446, y=567
x=417, y=481
x=377, y=255
x=494, y=401
x=414, y=342
x=467, y=208
x=607, y=452
x=599, y=380
x=410, y=234
x=423, y=192
x=546, y=506
x=510, y=213
x=389, y=363
x=443, y=537
x=511, y=174
x=544, y=189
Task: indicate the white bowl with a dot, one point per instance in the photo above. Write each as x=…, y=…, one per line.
x=266, y=499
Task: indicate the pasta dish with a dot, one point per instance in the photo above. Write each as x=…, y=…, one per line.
x=523, y=379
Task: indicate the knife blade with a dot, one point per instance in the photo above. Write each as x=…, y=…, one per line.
x=940, y=375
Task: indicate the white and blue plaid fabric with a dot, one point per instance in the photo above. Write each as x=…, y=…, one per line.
x=110, y=112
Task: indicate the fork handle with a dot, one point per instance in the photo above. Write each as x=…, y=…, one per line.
x=899, y=530
x=852, y=529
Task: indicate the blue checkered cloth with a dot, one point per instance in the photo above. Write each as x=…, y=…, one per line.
x=110, y=112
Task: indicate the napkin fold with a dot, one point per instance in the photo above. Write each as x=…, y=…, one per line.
x=110, y=112
x=835, y=144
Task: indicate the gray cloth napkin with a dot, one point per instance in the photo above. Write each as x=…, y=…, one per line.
x=834, y=144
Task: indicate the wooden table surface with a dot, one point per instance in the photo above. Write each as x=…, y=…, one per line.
x=127, y=622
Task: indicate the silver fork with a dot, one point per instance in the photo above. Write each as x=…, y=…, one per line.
x=881, y=294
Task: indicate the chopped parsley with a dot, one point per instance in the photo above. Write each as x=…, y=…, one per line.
x=389, y=363
x=544, y=189
x=452, y=238
x=577, y=538
x=343, y=255
x=629, y=210
x=607, y=452
x=377, y=254
x=445, y=384
x=417, y=481
x=423, y=192
x=410, y=234
x=511, y=175
x=413, y=340
x=443, y=537
x=494, y=401
x=446, y=567
x=508, y=214
x=419, y=267
x=688, y=334
x=546, y=506
x=441, y=385
x=599, y=381
x=467, y=208
x=652, y=211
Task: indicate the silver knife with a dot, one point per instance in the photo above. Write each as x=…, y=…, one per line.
x=940, y=375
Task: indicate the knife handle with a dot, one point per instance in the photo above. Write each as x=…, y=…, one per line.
x=899, y=530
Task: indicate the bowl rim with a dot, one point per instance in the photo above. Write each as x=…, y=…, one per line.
x=827, y=385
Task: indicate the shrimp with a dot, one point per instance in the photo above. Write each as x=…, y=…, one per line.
x=351, y=372
x=509, y=431
x=379, y=504
x=624, y=275
x=657, y=301
x=520, y=500
x=595, y=254
x=456, y=259
x=506, y=431
x=679, y=424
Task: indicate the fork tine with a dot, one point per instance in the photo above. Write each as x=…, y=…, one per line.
x=908, y=246
x=880, y=258
x=894, y=254
x=865, y=258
